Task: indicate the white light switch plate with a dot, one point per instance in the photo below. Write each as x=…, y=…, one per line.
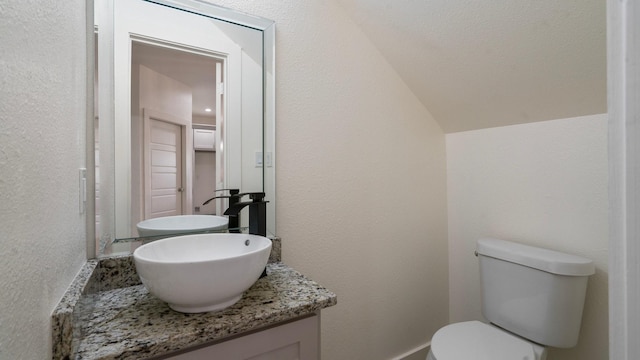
x=82, y=189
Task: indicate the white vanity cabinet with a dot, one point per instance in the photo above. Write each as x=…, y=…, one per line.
x=296, y=340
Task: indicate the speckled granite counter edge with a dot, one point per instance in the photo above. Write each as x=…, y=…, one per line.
x=63, y=322
x=98, y=275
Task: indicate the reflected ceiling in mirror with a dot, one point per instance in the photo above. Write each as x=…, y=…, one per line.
x=192, y=113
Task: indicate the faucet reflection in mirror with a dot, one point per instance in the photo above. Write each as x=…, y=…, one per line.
x=232, y=198
x=148, y=165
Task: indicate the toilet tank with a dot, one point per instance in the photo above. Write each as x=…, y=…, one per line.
x=533, y=292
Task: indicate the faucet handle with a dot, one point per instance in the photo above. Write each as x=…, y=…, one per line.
x=256, y=196
x=231, y=191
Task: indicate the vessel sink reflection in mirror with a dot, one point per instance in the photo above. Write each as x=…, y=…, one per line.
x=168, y=225
x=202, y=272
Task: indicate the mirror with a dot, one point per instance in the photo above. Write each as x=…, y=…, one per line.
x=184, y=106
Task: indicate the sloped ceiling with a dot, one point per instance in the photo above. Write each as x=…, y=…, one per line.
x=478, y=64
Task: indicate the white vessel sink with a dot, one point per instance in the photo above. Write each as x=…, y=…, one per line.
x=202, y=272
x=172, y=225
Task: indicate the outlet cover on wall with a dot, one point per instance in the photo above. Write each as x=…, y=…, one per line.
x=82, y=189
x=258, y=159
x=268, y=159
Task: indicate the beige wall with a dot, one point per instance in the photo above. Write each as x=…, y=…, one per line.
x=543, y=184
x=42, y=145
x=360, y=183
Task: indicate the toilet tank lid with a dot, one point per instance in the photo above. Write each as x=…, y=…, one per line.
x=551, y=261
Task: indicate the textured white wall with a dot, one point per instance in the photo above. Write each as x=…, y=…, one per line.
x=360, y=183
x=42, y=142
x=543, y=184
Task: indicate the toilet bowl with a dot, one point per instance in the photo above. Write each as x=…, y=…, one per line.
x=474, y=340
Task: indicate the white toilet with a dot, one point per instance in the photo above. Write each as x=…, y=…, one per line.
x=532, y=297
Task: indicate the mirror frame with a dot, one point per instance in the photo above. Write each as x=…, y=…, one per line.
x=198, y=7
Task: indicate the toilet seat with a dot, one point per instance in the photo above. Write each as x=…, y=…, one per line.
x=479, y=341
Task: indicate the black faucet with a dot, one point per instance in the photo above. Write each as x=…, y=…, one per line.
x=234, y=197
x=257, y=212
x=257, y=216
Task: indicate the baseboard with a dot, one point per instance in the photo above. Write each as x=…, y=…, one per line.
x=415, y=351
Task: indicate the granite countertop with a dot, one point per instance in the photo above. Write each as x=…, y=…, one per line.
x=130, y=323
x=124, y=321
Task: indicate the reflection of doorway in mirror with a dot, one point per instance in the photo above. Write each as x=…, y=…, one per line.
x=236, y=48
x=186, y=86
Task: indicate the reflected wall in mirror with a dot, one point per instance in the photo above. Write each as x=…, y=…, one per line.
x=192, y=92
